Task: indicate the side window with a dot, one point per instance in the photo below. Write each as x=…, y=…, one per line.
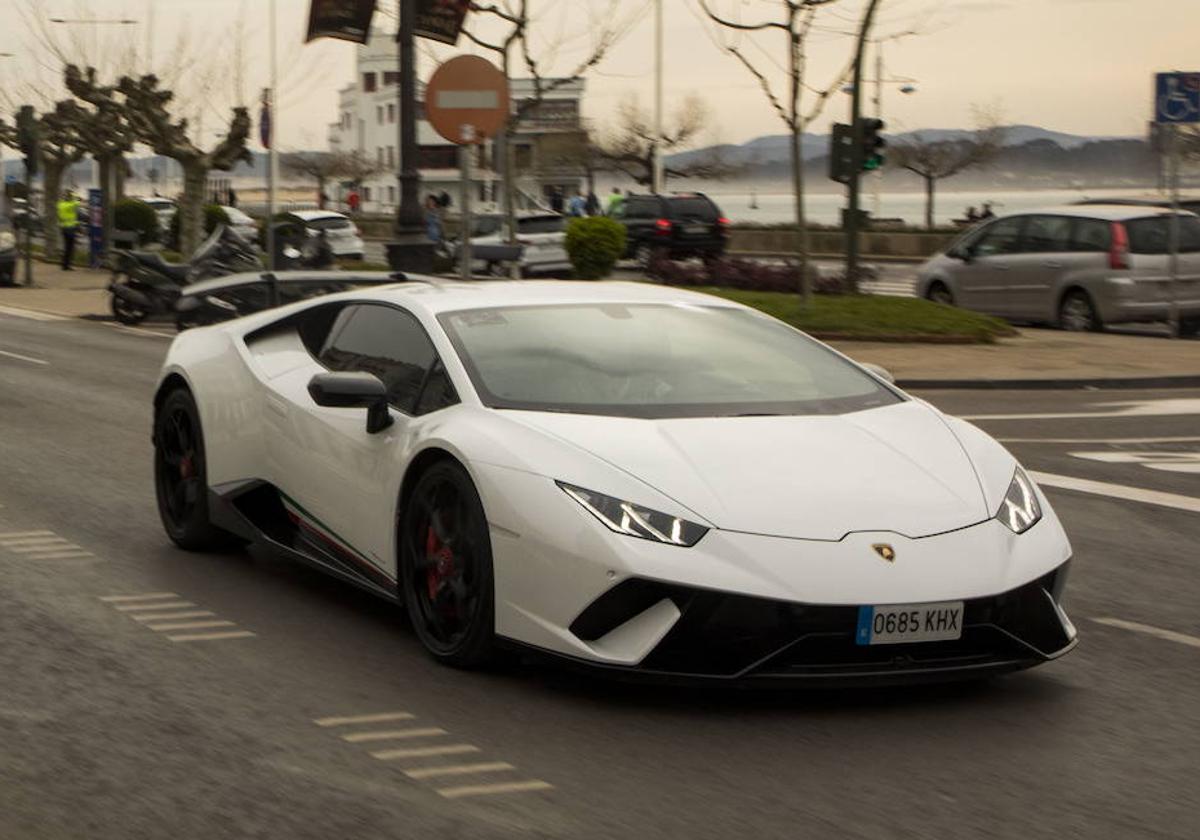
x=1047, y=234
x=1090, y=235
x=1149, y=236
x=386, y=342
x=639, y=208
x=438, y=391
x=316, y=325
x=1001, y=237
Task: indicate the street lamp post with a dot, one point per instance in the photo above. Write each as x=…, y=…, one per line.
x=410, y=250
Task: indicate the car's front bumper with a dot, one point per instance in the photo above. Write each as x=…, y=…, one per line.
x=722, y=637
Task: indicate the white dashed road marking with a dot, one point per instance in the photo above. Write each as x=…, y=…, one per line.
x=1184, y=462
x=31, y=314
x=1140, y=408
x=41, y=545
x=415, y=760
x=22, y=358
x=1157, y=632
x=163, y=611
x=1118, y=491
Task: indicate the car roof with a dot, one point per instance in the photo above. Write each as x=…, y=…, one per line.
x=435, y=295
x=287, y=277
x=1107, y=212
x=312, y=215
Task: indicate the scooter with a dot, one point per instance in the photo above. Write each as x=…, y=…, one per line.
x=144, y=284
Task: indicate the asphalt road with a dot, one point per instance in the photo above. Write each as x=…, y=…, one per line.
x=111, y=729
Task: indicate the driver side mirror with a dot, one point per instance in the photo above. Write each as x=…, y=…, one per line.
x=352, y=389
x=880, y=371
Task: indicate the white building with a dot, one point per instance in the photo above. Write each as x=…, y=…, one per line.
x=368, y=123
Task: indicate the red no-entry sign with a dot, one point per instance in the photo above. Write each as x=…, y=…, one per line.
x=467, y=100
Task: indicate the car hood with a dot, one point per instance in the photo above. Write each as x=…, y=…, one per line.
x=897, y=468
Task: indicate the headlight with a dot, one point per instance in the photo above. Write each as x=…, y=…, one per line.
x=1020, y=510
x=7, y=240
x=634, y=520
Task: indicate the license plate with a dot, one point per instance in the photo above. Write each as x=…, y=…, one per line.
x=894, y=624
x=695, y=229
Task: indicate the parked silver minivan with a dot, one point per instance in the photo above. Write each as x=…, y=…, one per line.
x=1079, y=267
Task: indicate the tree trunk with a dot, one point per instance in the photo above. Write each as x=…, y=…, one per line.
x=191, y=208
x=51, y=187
x=796, y=124
x=929, y=182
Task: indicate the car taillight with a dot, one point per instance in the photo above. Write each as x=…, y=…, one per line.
x=723, y=222
x=662, y=226
x=1118, y=253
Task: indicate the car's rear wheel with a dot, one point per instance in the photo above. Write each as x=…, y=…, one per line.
x=180, y=476
x=446, y=567
x=939, y=292
x=647, y=255
x=1077, y=313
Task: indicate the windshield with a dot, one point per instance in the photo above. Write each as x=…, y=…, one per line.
x=653, y=361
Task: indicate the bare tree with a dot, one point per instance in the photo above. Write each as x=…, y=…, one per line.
x=61, y=146
x=356, y=167
x=934, y=160
x=630, y=147
x=515, y=19
x=795, y=24
x=315, y=166
x=146, y=108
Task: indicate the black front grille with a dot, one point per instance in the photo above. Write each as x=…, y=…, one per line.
x=725, y=635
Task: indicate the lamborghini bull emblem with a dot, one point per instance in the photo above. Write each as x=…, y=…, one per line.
x=885, y=551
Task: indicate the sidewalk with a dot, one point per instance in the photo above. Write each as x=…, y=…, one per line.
x=1035, y=358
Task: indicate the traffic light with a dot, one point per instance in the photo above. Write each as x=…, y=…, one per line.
x=27, y=139
x=841, y=153
x=872, y=144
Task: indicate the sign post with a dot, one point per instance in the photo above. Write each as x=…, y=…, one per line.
x=1176, y=100
x=467, y=102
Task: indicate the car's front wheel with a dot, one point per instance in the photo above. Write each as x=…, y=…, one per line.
x=1077, y=313
x=940, y=293
x=180, y=477
x=446, y=567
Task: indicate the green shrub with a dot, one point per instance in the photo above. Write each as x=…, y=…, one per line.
x=213, y=216
x=133, y=215
x=594, y=244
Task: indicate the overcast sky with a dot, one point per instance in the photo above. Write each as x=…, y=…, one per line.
x=1082, y=66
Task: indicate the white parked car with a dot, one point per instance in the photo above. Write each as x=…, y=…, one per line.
x=164, y=208
x=639, y=478
x=542, y=237
x=342, y=234
x=242, y=224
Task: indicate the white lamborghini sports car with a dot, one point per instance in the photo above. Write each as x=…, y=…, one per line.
x=643, y=479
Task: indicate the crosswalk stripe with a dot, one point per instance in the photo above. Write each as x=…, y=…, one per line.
x=143, y=607
x=488, y=790
x=172, y=615
x=207, y=637
x=376, y=718
x=149, y=596
x=190, y=625
x=30, y=549
x=12, y=534
x=6, y=542
x=424, y=752
x=361, y=737
x=459, y=769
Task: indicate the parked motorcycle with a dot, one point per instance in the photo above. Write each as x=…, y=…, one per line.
x=144, y=284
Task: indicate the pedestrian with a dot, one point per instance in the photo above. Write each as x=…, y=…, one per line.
x=987, y=211
x=352, y=201
x=232, y=197
x=322, y=200
x=433, y=218
x=615, y=200
x=444, y=200
x=577, y=206
x=972, y=215
x=68, y=223
x=592, y=205
x=556, y=200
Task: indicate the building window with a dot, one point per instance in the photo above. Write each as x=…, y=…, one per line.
x=391, y=77
x=392, y=195
x=391, y=157
x=379, y=155
x=369, y=82
x=391, y=113
x=366, y=193
x=379, y=114
x=523, y=155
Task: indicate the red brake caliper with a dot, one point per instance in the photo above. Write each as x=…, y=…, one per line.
x=442, y=565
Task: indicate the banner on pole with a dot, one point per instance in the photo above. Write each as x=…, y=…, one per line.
x=346, y=20
x=440, y=20
x=264, y=121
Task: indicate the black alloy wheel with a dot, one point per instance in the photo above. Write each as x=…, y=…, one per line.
x=180, y=480
x=446, y=567
x=1077, y=313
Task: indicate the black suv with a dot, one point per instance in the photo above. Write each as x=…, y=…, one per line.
x=672, y=226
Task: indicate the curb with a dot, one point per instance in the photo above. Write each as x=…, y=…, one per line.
x=1115, y=383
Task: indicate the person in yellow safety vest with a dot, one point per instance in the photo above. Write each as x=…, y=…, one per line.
x=68, y=223
x=615, y=200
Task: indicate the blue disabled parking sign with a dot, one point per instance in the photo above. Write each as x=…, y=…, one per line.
x=1177, y=97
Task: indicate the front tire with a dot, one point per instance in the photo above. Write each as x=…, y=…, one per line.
x=181, y=476
x=939, y=292
x=446, y=567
